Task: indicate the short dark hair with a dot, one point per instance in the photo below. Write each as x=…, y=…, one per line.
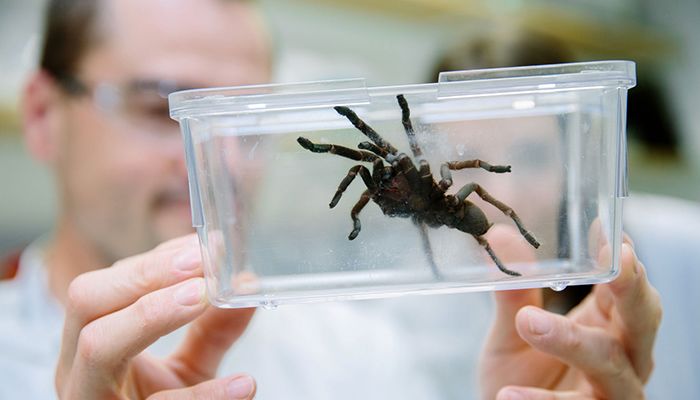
x=70, y=30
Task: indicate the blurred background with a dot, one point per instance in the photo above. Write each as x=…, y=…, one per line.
x=406, y=41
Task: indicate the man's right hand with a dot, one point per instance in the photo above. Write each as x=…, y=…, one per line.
x=114, y=314
x=602, y=349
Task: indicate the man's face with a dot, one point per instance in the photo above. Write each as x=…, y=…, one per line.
x=121, y=169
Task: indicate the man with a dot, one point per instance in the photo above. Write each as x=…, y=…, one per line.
x=93, y=114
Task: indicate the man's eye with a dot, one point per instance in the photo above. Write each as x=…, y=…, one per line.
x=158, y=112
x=150, y=111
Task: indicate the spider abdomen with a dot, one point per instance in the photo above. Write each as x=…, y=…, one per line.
x=472, y=220
x=466, y=217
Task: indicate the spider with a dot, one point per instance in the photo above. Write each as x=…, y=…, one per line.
x=402, y=190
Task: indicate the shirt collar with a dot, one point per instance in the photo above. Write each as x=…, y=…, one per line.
x=40, y=307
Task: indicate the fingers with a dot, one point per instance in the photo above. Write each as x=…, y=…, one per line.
x=504, y=335
x=107, y=344
x=627, y=239
x=510, y=246
x=527, y=393
x=638, y=306
x=238, y=387
x=131, y=278
x=591, y=350
x=596, y=309
x=209, y=337
x=104, y=291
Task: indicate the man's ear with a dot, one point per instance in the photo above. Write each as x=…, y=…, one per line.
x=40, y=107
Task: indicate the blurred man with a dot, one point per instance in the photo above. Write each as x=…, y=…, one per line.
x=95, y=112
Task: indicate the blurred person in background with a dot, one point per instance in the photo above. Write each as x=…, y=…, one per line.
x=95, y=112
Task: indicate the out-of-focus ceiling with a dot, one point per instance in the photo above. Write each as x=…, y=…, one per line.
x=593, y=26
x=604, y=28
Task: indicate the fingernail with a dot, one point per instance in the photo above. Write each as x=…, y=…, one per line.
x=241, y=387
x=634, y=255
x=638, y=265
x=538, y=321
x=510, y=394
x=190, y=293
x=188, y=259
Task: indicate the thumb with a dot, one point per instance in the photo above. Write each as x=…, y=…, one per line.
x=207, y=340
x=239, y=387
x=511, y=247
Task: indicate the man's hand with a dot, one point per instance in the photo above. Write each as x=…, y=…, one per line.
x=602, y=349
x=114, y=314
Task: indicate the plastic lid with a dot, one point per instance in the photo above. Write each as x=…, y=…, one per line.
x=256, y=98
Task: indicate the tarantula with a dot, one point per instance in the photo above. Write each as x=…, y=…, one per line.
x=402, y=190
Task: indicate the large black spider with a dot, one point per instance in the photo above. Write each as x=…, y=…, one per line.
x=402, y=190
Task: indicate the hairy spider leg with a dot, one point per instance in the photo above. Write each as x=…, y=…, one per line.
x=342, y=151
x=427, y=248
x=408, y=127
x=456, y=165
x=446, y=175
x=417, y=180
x=379, y=171
x=383, y=153
x=426, y=177
x=366, y=129
x=366, y=177
x=364, y=199
x=467, y=189
x=483, y=242
x=420, y=179
x=407, y=168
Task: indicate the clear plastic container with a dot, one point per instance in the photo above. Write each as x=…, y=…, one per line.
x=260, y=195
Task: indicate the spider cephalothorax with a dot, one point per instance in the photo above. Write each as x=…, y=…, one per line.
x=402, y=190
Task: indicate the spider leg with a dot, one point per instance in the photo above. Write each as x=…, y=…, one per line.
x=364, y=128
x=373, y=148
x=483, y=242
x=428, y=249
x=478, y=164
x=342, y=151
x=409, y=169
x=364, y=199
x=467, y=189
x=420, y=191
x=379, y=170
x=420, y=180
x=428, y=189
x=366, y=177
x=426, y=177
x=446, y=175
x=408, y=127
x=377, y=150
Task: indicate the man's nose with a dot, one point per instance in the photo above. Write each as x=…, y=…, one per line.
x=174, y=150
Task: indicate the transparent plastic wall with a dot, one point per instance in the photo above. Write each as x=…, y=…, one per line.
x=260, y=199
